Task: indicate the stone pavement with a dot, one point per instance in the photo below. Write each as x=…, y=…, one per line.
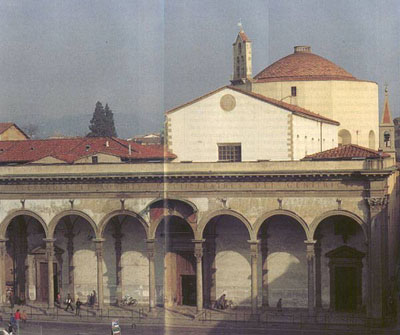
x=186, y=317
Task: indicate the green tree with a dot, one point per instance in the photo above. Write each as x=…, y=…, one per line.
x=110, y=121
x=102, y=122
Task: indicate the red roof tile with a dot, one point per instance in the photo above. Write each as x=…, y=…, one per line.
x=303, y=66
x=73, y=149
x=295, y=109
x=346, y=152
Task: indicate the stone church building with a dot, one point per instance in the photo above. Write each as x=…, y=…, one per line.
x=268, y=190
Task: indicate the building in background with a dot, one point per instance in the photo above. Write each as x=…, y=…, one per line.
x=263, y=197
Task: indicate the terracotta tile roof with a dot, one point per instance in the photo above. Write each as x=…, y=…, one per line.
x=303, y=66
x=70, y=150
x=346, y=152
x=295, y=109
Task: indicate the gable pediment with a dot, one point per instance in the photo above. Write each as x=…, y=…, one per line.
x=345, y=252
x=41, y=250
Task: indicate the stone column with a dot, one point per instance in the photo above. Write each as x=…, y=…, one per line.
x=99, y=255
x=318, y=274
x=198, y=253
x=69, y=235
x=50, y=260
x=3, y=251
x=254, y=275
x=375, y=257
x=311, y=277
x=152, y=274
x=118, y=253
x=264, y=278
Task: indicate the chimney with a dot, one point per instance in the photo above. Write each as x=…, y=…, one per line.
x=107, y=144
x=302, y=48
x=130, y=150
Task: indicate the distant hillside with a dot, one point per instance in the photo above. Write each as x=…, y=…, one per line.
x=127, y=125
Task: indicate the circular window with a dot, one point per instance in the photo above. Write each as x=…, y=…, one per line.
x=228, y=102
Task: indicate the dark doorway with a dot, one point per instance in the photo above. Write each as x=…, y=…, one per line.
x=44, y=281
x=188, y=290
x=346, y=289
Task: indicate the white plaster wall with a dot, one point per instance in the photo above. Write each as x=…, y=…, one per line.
x=353, y=103
x=134, y=261
x=307, y=137
x=85, y=263
x=233, y=274
x=261, y=128
x=286, y=262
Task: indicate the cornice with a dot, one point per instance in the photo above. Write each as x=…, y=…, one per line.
x=172, y=177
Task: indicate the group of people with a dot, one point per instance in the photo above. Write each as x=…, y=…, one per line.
x=78, y=303
x=14, y=324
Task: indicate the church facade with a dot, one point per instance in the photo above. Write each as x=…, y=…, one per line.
x=287, y=215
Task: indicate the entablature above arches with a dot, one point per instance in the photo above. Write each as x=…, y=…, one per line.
x=54, y=222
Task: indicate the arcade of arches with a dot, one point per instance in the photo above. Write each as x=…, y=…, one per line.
x=312, y=252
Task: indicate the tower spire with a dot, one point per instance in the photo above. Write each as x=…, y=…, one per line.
x=242, y=71
x=386, y=117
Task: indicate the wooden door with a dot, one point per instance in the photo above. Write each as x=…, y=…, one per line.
x=44, y=283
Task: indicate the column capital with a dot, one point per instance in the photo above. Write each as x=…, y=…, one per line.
x=98, y=240
x=377, y=204
x=3, y=240
x=49, y=240
x=254, y=248
x=310, y=245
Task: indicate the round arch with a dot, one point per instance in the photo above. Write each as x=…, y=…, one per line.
x=154, y=225
x=344, y=137
x=7, y=220
x=371, y=140
x=106, y=219
x=209, y=216
x=283, y=212
x=356, y=218
x=187, y=202
x=83, y=215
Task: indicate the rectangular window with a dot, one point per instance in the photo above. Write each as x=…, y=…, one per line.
x=95, y=159
x=229, y=152
x=294, y=91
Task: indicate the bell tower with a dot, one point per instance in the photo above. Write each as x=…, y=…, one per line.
x=241, y=58
x=386, y=129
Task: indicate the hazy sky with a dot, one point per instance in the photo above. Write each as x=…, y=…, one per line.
x=143, y=57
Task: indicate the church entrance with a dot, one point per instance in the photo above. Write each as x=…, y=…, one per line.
x=345, y=272
x=345, y=289
x=43, y=281
x=188, y=283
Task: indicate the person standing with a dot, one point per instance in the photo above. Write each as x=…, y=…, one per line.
x=17, y=317
x=69, y=303
x=24, y=317
x=78, y=307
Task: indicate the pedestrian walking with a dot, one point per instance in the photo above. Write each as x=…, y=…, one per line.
x=13, y=323
x=78, y=307
x=69, y=302
x=279, y=305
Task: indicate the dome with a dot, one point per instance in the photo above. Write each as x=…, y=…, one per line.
x=303, y=65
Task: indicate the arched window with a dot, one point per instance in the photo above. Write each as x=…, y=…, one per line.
x=344, y=137
x=371, y=139
x=386, y=139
